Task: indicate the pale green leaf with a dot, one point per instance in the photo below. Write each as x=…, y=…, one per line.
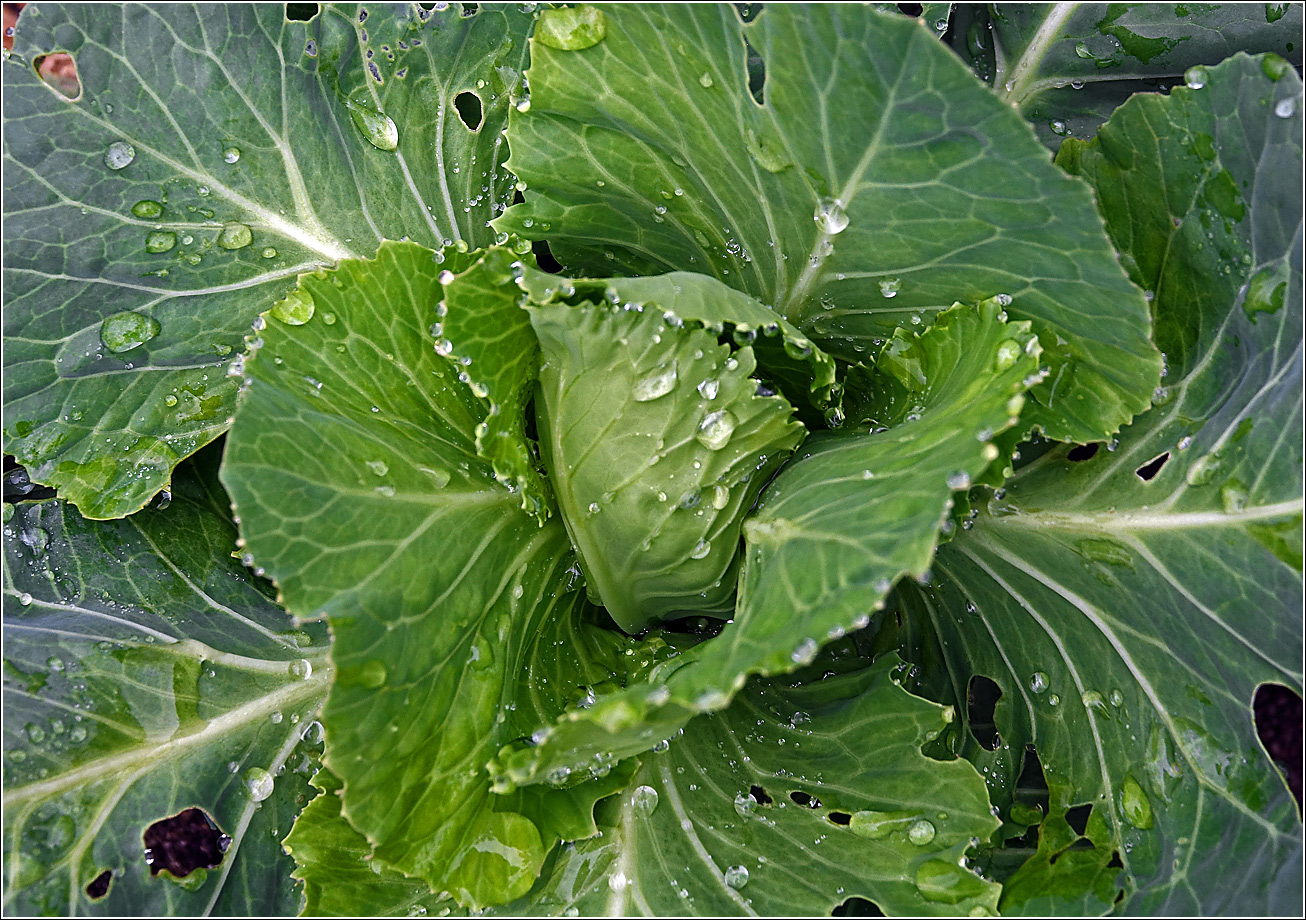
x=878, y=182
x=215, y=152
x=146, y=671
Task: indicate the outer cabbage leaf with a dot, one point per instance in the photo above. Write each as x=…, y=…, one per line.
x=878, y=181
x=816, y=562
x=146, y=672
x=1129, y=605
x=657, y=444
x=1067, y=66
x=215, y=152
x=354, y=469
x=779, y=807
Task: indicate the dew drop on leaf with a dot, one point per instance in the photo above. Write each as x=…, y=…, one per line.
x=125, y=331
x=258, y=783
x=119, y=155
x=830, y=216
x=921, y=832
x=235, y=235
x=147, y=209
x=715, y=429
x=645, y=799
x=736, y=876
x=658, y=382
x=160, y=241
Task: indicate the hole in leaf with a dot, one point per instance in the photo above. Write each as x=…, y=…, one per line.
x=982, y=697
x=758, y=795
x=468, y=105
x=857, y=907
x=1147, y=472
x=1121, y=896
x=470, y=10
x=301, y=12
x=1278, y=713
x=802, y=798
x=748, y=11
x=99, y=885
x=756, y=76
x=1077, y=818
x=187, y=841
x=1082, y=452
x=544, y=257
x=59, y=71
x=910, y=9
x=19, y=488
x=1115, y=861
x=840, y=817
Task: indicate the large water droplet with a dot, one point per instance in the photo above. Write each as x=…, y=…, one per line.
x=921, y=832
x=947, y=883
x=645, y=799
x=378, y=467
x=889, y=288
x=804, y=652
x=617, y=881
x=295, y=310
x=700, y=550
x=1038, y=681
x=231, y=155
x=235, y=235
x=1135, y=804
x=737, y=876
x=258, y=783
x=830, y=216
x=119, y=154
x=1009, y=351
x=160, y=241
x=147, y=209
x=715, y=429
x=376, y=126
x=125, y=331
x=659, y=382
x=1285, y=107
x=571, y=29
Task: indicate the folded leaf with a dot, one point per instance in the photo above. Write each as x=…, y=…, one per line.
x=721, y=824
x=658, y=444
x=1129, y=605
x=878, y=181
x=354, y=469
x=146, y=673
x=148, y=222
x=818, y=561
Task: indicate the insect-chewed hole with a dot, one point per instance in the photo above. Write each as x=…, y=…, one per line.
x=544, y=257
x=1077, y=818
x=1082, y=452
x=1278, y=714
x=840, y=817
x=59, y=72
x=982, y=697
x=758, y=795
x=468, y=105
x=469, y=9
x=99, y=885
x=756, y=76
x=1147, y=472
x=187, y=841
x=857, y=907
x=910, y=9
x=302, y=12
x=802, y=798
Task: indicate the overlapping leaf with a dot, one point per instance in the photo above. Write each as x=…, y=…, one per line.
x=1066, y=66
x=1129, y=605
x=879, y=181
x=146, y=672
x=783, y=805
x=816, y=562
x=215, y=152
x=354, y=469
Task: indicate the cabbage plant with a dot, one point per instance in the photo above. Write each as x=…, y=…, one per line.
x=658, y=459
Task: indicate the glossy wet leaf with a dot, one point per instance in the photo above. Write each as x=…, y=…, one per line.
x=1129, y=620
x=354, y=469
x=215, y=153
x=1066, y=66
x=816, y=562
x=879, y=181
x=725, y=821
x=146, y=671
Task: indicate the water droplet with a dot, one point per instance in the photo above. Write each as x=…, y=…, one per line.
x=1285, y=107
x=658, y=382
x=705, y=80
x=959, y=480
x=617, y=881
x=1038, y=681
x=376, y=126
x=889, y=288
x=709, y=388
x=258, y=783
x=701, y=549
x=1117, y=698
x=645, y=799
x=276, y=717
x=1054, y=700
x=295, y=310
x=1135, y=804
x=269, y=253
x=1009, y=350
x=947, y=883
x=1195, y=77
x=804, y=652
x=378, y=467
x=231, y=155
x=235, y=235
x=720, y=497
x=35, y=733
x=160, y=241
x=125, y=331
x=736, y=876
x=830, y=216
x=715, y=429
x=147, y=209
x=302, y=669
x=1203, y=469
x=119, y=154
x=921, y=832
